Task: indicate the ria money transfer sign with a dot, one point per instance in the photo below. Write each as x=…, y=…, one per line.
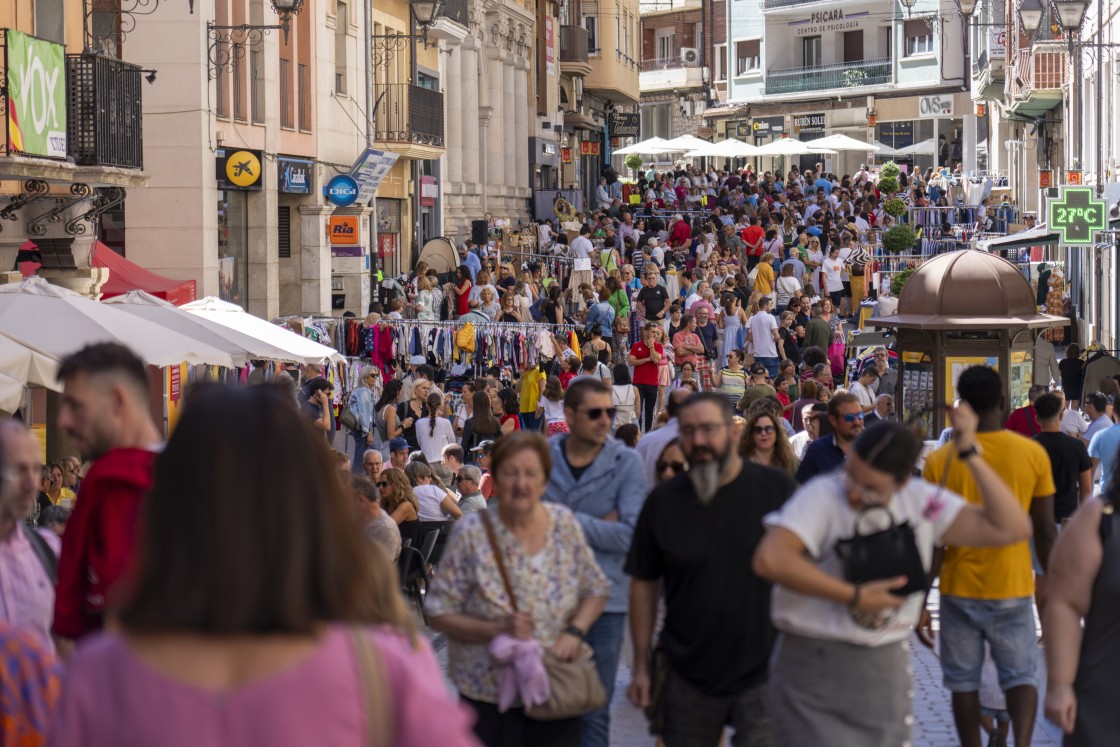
x=36, y=77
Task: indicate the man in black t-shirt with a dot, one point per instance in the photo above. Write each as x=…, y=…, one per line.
x=697, y=534
x=653, y=298
x=1069, y=459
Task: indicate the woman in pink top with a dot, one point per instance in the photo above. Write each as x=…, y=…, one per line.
x=258, y=613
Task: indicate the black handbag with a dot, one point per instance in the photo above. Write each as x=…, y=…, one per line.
x=884, y=554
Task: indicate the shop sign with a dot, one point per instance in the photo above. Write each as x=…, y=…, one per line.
x=1073, y=177
x=548, y=148
x=295, y=176
x=386, y=246
x=626, y=124
x=36, y=79
x=1077, y=214
x=341, y=190
x=742, y=129
x=595, y=148
x=827, y=21
x=897, y=134
x=550, y=45
x=763, y=126
x=241, y=169
x=585, y=148
x=370, y=170
x=808, y=124
x=429, y=191
x=343, y=230
x=348, y=260
x=1045, y=179
x=565, y=155
x=938, y=105
x=997, y=42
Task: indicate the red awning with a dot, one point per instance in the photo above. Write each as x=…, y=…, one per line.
x=125, y=276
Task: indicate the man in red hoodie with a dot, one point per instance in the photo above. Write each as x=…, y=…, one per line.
x=104, y=411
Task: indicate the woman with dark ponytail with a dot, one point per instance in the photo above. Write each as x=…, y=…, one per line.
x=433, y=433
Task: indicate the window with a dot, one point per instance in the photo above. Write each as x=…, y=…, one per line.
x=655, y=120
x=719, y=62
x=919, y=38
x=303, y=94
x=287, y=111
x=748, y=56
x=342, y=20
x=284, y=231
x=811, y=51
x=50, y=20
x=591, y=23
x=665, y=41
x=238, y=82
x=888, y=42
x=256, y=86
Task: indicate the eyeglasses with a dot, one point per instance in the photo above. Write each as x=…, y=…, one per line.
x=852, y=417
x=382, y=484
x=763, y=429
x=594, y=413
x=675, y=466
x=706, y=429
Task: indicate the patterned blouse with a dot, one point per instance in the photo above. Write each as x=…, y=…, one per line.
x=550, y=584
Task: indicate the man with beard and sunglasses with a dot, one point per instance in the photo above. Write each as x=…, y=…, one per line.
x=601, y=480
x=696, y=536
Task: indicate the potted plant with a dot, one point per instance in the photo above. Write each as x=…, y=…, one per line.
x=888, y=178
x=900, y=279
x=899, y=239
x=633, y=161
x=894, y=207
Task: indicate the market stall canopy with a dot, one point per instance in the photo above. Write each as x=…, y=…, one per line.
x=241, y=347
x=301, y=349
x=685, y=143
x=1037, y=236
x=27, y=365
x=924, y=148
x=57, y=321
x=440, y=255
x=840, y=142
x=789, y=146
x=11, y=393
x=653, y=146
x=729, y=148
x=885, y=150
x=125, y=276
x=967, y=289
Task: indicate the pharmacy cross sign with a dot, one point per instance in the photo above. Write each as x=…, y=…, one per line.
x=1077, y=215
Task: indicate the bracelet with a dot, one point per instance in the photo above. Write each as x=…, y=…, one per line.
x=574, y=630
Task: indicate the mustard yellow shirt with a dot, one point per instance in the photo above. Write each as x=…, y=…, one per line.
x=530, y=389
x=764, y=279
x=993, y=572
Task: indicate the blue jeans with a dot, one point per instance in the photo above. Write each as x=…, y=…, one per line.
x=359, y=452
x=1008, y=627
x=770, y=363
x=530, y=422
x=605, y=639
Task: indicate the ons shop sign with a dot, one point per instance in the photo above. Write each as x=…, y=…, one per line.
x=36, y=95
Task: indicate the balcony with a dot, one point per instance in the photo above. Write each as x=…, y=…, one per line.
x=1037, y=76
x=825, y=77
x=452, y=24
x=574, y=58
x=778, y=6
x=669, y=75
x=104, y=112
x=408, y=119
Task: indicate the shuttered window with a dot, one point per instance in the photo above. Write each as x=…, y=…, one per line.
x=284, y=231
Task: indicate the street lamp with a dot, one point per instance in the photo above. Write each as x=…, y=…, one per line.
x=228, y=43
x=1030, y=15
x=967, y=7
x=425, y=12
x=1071, y=13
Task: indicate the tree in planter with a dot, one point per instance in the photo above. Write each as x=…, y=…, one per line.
x=900, y=239
x=888, y=178
x=633, y=161
x=894, y=207
x=900, y=279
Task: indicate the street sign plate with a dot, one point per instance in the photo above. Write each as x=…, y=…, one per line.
x=1077, y=214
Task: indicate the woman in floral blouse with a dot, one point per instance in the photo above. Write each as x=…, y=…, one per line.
x=560, y=590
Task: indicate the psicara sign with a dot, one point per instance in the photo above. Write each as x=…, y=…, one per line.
x=828, y=21
x=935, y=106
x=36, y=95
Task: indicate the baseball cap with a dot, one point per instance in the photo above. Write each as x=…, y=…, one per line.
x=758, y=369
x=417, y=360
x=398, y=444
x=486, y=445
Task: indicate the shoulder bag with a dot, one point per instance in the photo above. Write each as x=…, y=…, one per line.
x=574, y=686
x=884, y=554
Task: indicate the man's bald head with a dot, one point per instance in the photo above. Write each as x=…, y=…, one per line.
x=23, y=461
x=677, y=398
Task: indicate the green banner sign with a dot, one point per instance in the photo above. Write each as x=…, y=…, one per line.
x=36, y=77
x=1078, y=215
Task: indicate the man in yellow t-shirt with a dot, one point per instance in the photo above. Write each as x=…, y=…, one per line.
x=986, y=593
x=531, y=385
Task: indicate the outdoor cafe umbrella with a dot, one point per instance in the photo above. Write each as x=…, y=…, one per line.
x=729, y=148
x=301, y=349
x=840, y=142
x=789, y=146
x=26, y=365
x=684, y=143
x=924, y=148
x=885, y=150
x=57, y=322
x=654, y=145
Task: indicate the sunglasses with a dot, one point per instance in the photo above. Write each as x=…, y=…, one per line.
x=594, y=413
x=763, y=429
x=852, y=417
x=675, y=466
x=383, y=484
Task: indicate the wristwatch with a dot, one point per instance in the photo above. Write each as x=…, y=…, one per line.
x=965, y=454
x=574, y=630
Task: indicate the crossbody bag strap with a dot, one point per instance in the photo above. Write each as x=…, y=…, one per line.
x=493, y=537
x=377, y=696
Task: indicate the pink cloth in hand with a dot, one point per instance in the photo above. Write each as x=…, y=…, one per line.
x=523, y=674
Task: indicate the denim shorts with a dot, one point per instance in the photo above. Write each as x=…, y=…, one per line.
x=1008, y=627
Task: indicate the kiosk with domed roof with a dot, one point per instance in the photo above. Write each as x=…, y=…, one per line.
x=958, y=310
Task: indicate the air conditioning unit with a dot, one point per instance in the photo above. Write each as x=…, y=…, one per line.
x=690, y=57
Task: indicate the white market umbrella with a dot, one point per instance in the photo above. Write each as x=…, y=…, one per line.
x=685, y=143
x=885, y=150
x=27, y=365
x=789, y=146
x=300, y=348
x=840, y=142
x=924, y=148
x=57, y=322
x=652, y=146
x=240, y=346
x=11, y=393
x=729, y=148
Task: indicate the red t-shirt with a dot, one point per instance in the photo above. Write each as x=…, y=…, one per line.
x=753, y=235
x=646, y=373
x=1024, y=421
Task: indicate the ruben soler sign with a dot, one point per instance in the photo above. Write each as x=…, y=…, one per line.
x=36, y=96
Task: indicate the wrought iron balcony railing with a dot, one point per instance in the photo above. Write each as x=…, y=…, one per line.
x=824, y=77
x=408, y=113
x=104, y=112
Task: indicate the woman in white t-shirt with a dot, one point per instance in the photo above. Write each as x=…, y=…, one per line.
x=839, y=670
x=832, y=271
x=432, y=434
x=624, y=396
x=551, y=407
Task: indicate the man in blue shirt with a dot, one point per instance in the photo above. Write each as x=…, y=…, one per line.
x=1102, y=450
x=795, y=260
x=599, y=314
x=471, y=260
x=829, y=452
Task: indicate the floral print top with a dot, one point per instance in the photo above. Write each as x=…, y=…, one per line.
x=550, y=585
